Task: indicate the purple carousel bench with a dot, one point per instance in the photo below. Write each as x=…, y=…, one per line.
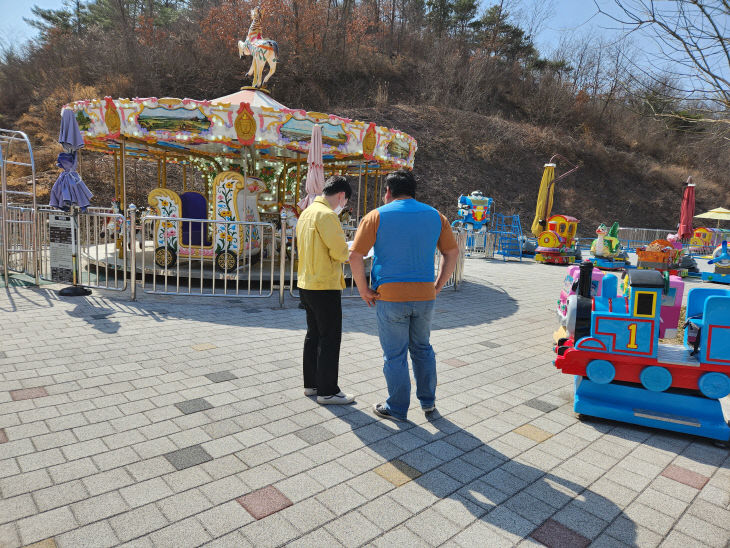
x=194, y=206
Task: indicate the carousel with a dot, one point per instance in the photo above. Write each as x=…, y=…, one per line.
x=252, y=152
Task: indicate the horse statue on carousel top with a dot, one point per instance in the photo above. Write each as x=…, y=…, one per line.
x=262, y=51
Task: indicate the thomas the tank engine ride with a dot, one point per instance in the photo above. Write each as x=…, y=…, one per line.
x=622, y=371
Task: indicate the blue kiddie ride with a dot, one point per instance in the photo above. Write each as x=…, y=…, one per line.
x=721, y=260
x=475, y=212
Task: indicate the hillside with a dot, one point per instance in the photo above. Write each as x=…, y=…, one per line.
x=459, y=152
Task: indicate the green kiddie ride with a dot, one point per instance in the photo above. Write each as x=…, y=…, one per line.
x=606, y=248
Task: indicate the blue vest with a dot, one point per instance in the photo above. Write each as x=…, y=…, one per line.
x=406, y=243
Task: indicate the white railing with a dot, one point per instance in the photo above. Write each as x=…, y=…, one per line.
x=218, y=258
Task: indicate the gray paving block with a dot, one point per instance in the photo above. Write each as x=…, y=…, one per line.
x=314, y=434
x=541, y=405
x=220, y=376
x=193, y=406
x=187, y=457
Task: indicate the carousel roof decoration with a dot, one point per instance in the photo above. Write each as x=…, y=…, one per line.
x=226, y=127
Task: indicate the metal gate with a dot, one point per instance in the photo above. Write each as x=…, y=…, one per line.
x=18, y=237
x=100, y=238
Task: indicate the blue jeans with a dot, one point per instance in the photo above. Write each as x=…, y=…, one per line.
x=405, y=327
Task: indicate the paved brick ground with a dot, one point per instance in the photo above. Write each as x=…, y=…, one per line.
x=171, y=422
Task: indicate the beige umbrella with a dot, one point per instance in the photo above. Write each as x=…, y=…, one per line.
x=719, y=213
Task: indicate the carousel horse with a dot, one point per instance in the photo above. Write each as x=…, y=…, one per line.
x=261, y=50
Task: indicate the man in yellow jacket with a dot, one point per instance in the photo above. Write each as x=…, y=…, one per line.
x=322, y=248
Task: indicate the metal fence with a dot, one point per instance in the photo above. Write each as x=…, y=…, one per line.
x=159, y=255
x=100, y=247
x=211, y=258
x=16, y=235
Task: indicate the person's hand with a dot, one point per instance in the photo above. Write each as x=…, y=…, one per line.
x=438, y=289
x=369, y=296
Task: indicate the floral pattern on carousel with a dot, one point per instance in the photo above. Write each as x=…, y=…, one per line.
x=167, y=231
x=227, y=235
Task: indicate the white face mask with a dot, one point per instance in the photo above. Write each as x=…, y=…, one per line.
x=338, y=209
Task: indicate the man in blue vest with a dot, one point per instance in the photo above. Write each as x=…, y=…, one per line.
x=404, y=235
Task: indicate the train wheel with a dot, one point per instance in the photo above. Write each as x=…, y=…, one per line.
x=714, y=385
x=655, y=378
x=600, y=371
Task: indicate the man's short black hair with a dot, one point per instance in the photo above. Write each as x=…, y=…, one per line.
x=401, y=183
x=336, y=184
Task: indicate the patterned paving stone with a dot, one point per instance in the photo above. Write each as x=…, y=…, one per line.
x=490, y=344
x=556, y=535
x=47, y=543
x=220, y=376
x=264, y=502
x=193, y=406
x=187, y=457
x=685, y=476
x=314, y=434
x=541, y=405
x=532, y=432
x=397, y=472
x=3, y=436
x=455, y=362
x=28, y=393
x=203, y=346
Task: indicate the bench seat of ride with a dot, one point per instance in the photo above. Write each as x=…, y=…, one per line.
x=194, y=206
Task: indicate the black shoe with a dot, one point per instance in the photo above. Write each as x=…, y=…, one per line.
x=381, y=411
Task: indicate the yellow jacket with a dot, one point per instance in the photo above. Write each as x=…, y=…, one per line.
x=321, y=247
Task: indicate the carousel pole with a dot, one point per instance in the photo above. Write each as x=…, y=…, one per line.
x=116, y=176
x=123, y=174
x=377, y=181
x=164, y=170
x=298, y=178
x=365, y=197
x=359, y=188
x=185, y=177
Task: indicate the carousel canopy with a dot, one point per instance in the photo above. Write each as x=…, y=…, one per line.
x=231, y=125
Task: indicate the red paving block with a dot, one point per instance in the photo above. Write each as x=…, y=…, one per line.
x=683, y=475
x=556, y=535
x=28, y=393
x=455, y=362
x=3, y=436
x=264, y=502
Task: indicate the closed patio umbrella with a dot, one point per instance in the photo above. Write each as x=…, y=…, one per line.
x=315, y=168
x=687, y=210
x=69, y=189
x=544, y=200
x=70, y=192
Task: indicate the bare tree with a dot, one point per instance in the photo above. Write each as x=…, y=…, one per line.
x=692, y=36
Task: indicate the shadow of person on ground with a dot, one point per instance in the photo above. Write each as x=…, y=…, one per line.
x=438, y=460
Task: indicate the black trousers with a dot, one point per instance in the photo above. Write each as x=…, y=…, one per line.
x=322, y=343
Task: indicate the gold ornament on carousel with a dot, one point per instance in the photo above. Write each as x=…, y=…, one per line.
x=111, y=117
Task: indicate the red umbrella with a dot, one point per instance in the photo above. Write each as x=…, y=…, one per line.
x=687, y=211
